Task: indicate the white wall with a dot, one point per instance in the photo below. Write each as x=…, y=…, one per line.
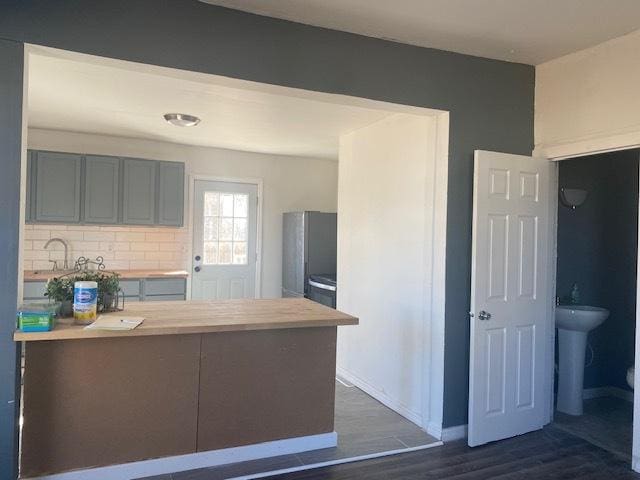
x=290, y=183
x=385, y=243
x=589, y=100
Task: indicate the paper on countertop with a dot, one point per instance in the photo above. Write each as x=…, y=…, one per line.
x=113, y=322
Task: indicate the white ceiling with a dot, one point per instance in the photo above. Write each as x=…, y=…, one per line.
x=91, y=97
x=525, y=31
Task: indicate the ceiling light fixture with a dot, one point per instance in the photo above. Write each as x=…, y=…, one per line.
x=181, y=119
x=572, y=197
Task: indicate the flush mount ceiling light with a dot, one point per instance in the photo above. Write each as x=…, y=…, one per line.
x=572, y=197
x=181, y=119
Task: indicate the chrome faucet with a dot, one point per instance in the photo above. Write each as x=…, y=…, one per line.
x=66, y=252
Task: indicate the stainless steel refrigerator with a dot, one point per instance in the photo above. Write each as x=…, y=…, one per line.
x=309, y=247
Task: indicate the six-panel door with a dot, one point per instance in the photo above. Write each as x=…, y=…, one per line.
x=510, y=297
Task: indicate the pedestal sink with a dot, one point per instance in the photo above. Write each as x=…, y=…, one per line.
x=574, y=322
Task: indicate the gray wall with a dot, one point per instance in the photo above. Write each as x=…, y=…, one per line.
x=11, y=62
x=597, y=248
x=491, y=102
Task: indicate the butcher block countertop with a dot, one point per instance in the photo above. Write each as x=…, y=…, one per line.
x=185, y=317
x=44, y=275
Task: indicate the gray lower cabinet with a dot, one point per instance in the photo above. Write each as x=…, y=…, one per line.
x=34, y=290
x=164, y=289
x=139, y=192
x=135, y=290
x=170, y=193
x=101, y=189
x=164, y=298
x=57, y=187
x=130, y=289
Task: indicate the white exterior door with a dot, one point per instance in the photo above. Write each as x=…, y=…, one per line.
x=510, y=296
x=224, y=240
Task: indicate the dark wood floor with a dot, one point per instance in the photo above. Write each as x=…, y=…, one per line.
x=550, y=453
x=547, y=454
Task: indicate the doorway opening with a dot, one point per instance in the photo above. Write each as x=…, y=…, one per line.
x=260, y=151
x=596, y=285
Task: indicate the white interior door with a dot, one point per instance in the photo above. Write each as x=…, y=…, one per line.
x=224, y=240
x=510, y=296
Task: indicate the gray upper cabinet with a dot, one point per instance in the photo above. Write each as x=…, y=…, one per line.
x=101, y=189
x=139, y=192
x=170, y=193
x=57, y=187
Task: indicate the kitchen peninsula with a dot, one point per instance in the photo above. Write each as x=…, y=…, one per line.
x=194, y=382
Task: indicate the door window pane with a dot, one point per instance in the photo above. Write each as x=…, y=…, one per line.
x=240, y=206
x=226, y=229
x=226, y=233
x=226, y=200
x=210, y=229
x=211, y=204
x=210, y=253
x=239, y=230
x=239, y=253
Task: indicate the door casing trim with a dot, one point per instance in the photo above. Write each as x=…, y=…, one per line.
x=581, y=148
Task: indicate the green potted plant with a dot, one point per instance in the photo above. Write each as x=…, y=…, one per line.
x=60, y=289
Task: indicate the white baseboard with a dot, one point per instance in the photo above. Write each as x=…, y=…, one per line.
x=336, y=462
x=213, y=458
x=599, y=392
x=435, y=430
x=451, y=434
x=392, y=403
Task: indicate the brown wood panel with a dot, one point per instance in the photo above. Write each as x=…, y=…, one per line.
x=186, y=317
x=107, y=401
x=266, y=385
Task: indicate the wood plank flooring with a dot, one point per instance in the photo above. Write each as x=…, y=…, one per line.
x=546, y=454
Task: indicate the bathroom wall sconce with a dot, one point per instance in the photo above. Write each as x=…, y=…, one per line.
x=572, y=197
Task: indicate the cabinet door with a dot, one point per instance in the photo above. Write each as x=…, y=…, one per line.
x=34, y=290
x=165, y=286
x=101, y=186
x=139, y=192
x=171, y=194
x=57, y=187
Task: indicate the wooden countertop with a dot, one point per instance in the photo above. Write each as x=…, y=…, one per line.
x=184, y=317
x=44, y=275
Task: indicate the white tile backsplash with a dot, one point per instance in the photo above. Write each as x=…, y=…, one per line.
x=123, y=248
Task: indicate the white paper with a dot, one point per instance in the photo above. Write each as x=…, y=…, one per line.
x=113, y=322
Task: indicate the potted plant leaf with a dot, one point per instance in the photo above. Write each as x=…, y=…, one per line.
x=60, y=289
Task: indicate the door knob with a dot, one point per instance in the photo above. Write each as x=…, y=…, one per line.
x=198, y=258
x=484, y=315
x=197, y=269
